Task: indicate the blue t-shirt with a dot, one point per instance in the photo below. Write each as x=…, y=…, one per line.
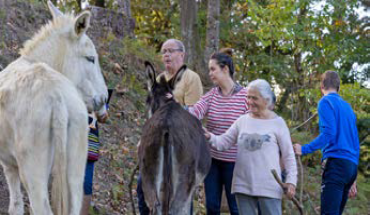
x=338, y=136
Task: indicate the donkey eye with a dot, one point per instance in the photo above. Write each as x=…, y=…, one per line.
x=91, y=59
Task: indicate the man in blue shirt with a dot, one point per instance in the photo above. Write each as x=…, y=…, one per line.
x=339, y=143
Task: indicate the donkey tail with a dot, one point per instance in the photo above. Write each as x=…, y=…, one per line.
x=167, y=172
x=60, y=191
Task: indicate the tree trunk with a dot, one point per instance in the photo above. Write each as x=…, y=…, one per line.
x=301, y=107
x=213, y=29
x=99, y=3
x=125, y=7
x=188, y=16
x=79, y=3
x=300, y=83
x=190, y=35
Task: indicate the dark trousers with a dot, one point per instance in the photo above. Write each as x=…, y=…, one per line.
x=143, y=208
x=89, y=175
x=220, y=174
x=337, y=179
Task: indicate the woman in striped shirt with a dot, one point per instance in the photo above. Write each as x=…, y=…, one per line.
x=221, y=106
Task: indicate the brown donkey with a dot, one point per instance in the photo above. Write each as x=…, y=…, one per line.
x=174, y=156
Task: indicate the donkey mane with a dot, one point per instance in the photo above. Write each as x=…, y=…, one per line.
x=60, y=24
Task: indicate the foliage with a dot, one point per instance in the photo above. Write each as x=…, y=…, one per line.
x=156, y=21
x=290, y=43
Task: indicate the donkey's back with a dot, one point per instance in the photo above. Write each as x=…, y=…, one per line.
x=44, y=124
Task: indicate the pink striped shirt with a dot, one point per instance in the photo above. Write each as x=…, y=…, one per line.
x=221, y=111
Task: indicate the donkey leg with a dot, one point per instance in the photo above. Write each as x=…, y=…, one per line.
x=184, y=189
x=181, y=204
x=14, y=184
x=77, y=157
x=34, y=169
x=38, y=195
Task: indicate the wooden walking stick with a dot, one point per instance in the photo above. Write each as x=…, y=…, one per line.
x=295, y=201
x=130, y=188
x=300, y=167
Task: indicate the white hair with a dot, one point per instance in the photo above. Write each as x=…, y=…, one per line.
x=179, y=44
x=263, y=88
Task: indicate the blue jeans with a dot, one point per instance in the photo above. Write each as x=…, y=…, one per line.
x=89, y=175
x=220, y=174
x=143, y=208
x=337, y=179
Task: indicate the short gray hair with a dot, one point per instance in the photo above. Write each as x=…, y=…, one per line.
x=179, y=44
x=263, y=88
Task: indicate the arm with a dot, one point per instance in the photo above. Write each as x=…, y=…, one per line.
x=225, y=141
x=328, y=128
x=287, y=154
x=200, y=108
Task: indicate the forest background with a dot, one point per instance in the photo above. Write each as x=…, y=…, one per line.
x=288, y=43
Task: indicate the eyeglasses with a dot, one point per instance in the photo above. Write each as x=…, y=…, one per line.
x=170, y=51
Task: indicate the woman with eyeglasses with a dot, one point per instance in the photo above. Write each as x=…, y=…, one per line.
x=221, y=106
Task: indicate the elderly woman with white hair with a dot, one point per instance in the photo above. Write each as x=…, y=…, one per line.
x=262, y=138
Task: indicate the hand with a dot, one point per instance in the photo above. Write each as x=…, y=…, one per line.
x=103, y=118
x=289, y=190
x=297, y=149
x=206, y=133
x=353, y=191
x=169, y=96
x=137, y=146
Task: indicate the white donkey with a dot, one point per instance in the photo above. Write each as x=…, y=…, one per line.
x=44, y=98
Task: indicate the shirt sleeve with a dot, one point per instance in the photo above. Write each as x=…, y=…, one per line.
x=328, y=128
x=194, y=89
x=226, y=140
x=200, y=108
x=287, y=153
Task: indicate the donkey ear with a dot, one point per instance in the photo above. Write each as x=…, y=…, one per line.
x=151, y=74
x=177, y=77
x=55, y=12
x=82, y=23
